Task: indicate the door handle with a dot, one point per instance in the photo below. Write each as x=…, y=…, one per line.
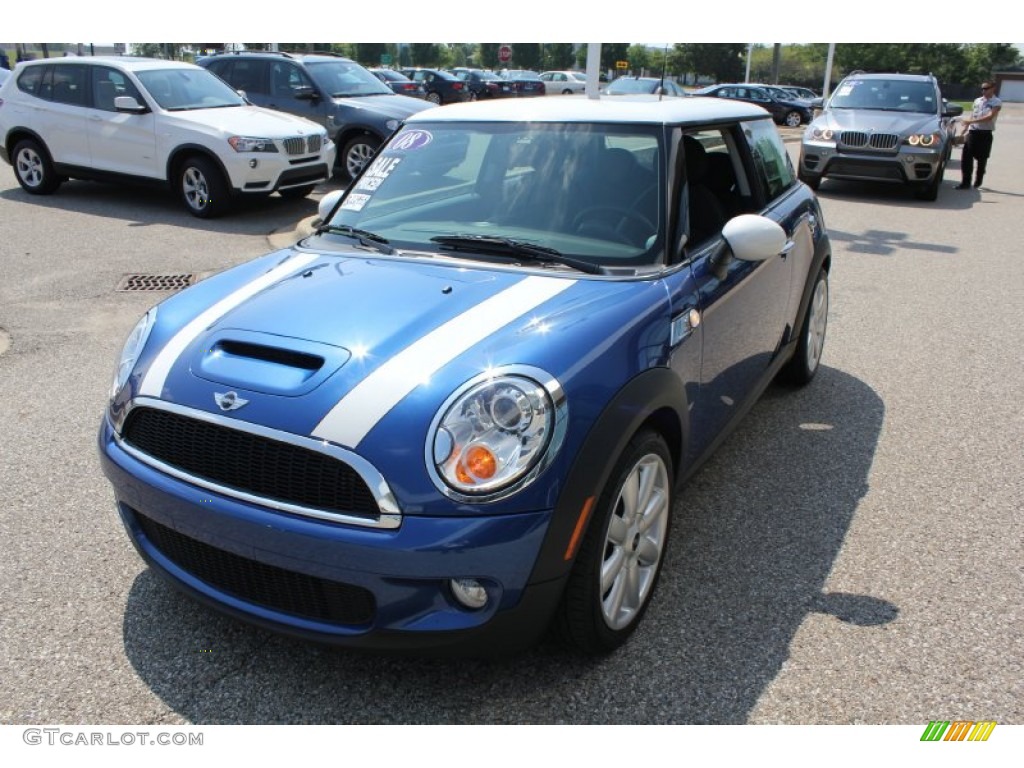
x=789, y=246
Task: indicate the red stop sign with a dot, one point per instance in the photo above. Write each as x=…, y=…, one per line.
x=505, y=54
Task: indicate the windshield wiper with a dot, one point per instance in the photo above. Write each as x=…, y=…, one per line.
x=507, y=246
x=366, y=238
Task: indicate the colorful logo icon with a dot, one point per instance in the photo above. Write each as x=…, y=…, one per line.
x=958, y=730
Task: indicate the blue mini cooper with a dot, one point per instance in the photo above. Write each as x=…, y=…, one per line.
x=457, y=415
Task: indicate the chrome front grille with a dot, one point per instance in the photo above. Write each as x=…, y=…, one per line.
x=862, y=140
x=302, y=145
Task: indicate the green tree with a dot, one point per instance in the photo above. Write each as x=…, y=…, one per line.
x=369, y=54
x=489, y=55
x=721, y=61
x=424, y=54
x=558, y=56
x=638, y=58
x=526, y=55
x=613, y=52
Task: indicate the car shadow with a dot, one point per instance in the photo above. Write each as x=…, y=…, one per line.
x=149, y=205
x=755, y=537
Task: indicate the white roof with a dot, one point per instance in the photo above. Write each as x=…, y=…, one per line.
x=607, y=109
x=130, y=63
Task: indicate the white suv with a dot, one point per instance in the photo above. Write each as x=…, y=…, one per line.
x=149, y=120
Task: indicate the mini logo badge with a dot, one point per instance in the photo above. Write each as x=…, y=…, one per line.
x=229, y=401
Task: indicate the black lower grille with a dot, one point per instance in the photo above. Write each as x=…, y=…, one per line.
x=249, y=463
x=866, y=170
x=266, y=585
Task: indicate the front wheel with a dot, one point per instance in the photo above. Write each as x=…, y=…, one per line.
x=930, y=191
x=358, y=152
x=434, y=98
x=33, y=168
x=617, y=568
x=807, y=358
x=202, y=187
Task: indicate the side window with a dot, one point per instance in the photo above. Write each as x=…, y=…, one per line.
x=108, y=84
x=770, y=157
x=31, y=80
x=247, y=75
x=286, y=79
x=717, y=187
x=69, y=84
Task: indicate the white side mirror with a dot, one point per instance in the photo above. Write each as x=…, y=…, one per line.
x=754, y=238
x=327, y=203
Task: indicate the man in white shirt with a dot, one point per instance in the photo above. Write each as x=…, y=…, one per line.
x=980, y=127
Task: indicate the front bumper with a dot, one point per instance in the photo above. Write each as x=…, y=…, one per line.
x=337, y=584
x=911, y=165
x=258, y=172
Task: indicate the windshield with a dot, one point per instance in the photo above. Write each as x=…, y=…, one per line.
x=885, y=95
x=177, y=90
x=591, y=193
x=346, y=78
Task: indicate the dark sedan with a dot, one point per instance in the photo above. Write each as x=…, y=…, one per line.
x=785, y=111
x=484, y=84
x=399, y=83
x=525, y=82
x=441, y=87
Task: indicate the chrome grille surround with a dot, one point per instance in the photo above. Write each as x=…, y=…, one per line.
x=390, y=516
x=862, y=140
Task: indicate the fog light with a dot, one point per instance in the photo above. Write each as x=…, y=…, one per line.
x=469, y=592
x=253, y=163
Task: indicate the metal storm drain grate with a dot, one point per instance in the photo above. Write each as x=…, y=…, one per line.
x=155, y=282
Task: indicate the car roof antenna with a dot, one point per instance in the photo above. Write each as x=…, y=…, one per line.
x=664, y=66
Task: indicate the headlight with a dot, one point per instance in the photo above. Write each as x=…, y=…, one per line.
x=924, y=140
x=132, y=349
x=251, y=144
x=495, y=434
x=822, y=134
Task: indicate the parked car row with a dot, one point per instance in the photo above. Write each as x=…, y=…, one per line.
x=357, y=109
x=154, y=121
x=785, y=108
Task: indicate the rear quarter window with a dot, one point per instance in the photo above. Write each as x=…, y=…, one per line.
x=771, y=160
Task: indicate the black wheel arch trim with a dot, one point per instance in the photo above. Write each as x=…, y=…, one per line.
x=14, y=135
x=182, y=150
x=656, y=397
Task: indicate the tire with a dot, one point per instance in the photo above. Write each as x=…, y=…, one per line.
x=33, y=168
x=793, y=119
x=296, y=193
x=811, y=181
x=624, y=548
x=567, y=92
x=807, y=358
x=358, y=152
x=202, y=187
x=434, y=98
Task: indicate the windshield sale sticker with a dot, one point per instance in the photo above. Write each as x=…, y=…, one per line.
x=375, y=175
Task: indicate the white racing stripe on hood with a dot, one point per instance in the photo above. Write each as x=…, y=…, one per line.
x=358, y=412
x=153, y=383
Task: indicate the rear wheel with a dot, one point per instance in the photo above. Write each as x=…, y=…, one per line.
x=34, y=169
x=793, y=119
x=620, y=558
x=202, y=187
x=807, y=358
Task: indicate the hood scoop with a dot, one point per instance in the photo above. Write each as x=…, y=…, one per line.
x=261, y=362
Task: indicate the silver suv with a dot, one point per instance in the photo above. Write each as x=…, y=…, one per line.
x=881, y=127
